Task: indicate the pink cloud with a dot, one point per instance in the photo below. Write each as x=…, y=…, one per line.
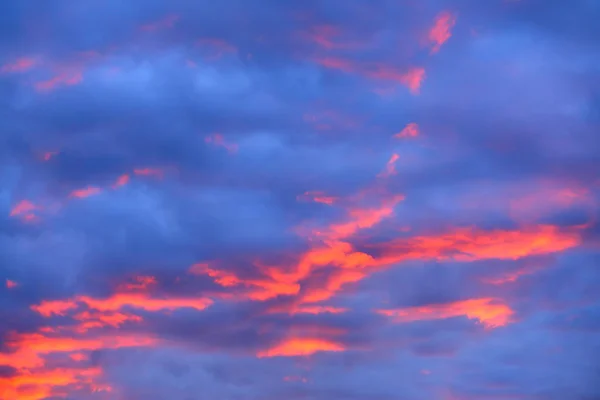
x=20, y=65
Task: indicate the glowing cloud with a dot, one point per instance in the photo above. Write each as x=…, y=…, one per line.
x=259, y=289
x=41, y=385
x=363, y=218
x=301, y=347
x=487, y=311
x=48, y=308
x=473, y=244
x=92, y=320
x=119, y=301
x=223, y=278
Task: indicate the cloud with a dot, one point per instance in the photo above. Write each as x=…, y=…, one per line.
x=301, y=347
x=266, y=200
x=441, y=30
x=484, y=310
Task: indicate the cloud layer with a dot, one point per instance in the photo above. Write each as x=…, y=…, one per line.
x=301, y=200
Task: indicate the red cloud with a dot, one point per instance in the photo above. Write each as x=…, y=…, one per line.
x=487, y=311
x=301, y=347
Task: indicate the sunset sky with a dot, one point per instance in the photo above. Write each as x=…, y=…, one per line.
x=299, y=200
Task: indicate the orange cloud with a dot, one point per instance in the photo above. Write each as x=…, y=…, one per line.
x=48, y=308
x=141, y=301
x=364, y=218
x=35, y=380
x=487, y=311
x=119, y=301
x=223, y=278
x=91, y=320
x=85, y=192
x=333, y=284
x=440, y=32
x=259, y=289
x=20, y=65
x=460, y=245
x=330, y=250
x=262, y=290
x=40, y=385
x=29, y=350
x=31, y=347
x=471, y=244
x=301, y=347
x=410, y=130
x=27, y=353
x=218, y=140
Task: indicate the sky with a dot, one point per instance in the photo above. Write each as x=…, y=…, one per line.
x=303, y=200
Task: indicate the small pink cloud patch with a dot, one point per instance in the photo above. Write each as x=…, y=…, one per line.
x=441, y=30
x=410, y=130
x=20, y=65
x=11, y=284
